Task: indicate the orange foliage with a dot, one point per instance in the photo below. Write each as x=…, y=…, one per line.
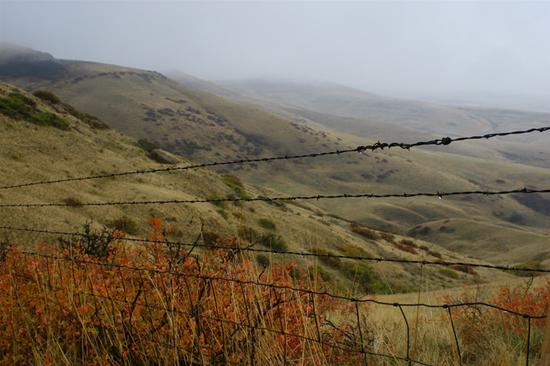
x=183, y=308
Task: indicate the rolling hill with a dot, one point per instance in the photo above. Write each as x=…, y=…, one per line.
x=67, y=144
x=187, y=119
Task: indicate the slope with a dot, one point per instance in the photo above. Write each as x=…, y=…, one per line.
x=206, y=127
x=33, y=151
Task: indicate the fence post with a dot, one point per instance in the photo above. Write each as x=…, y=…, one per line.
x=546, y=343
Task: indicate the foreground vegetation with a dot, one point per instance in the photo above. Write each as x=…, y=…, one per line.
x=86, y=302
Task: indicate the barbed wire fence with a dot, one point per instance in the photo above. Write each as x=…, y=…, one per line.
x=358, y=345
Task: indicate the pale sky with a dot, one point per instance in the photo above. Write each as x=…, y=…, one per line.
x=393, y=48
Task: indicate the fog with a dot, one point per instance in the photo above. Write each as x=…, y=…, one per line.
x=422, y=50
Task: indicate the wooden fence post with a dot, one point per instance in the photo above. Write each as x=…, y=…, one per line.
x=546, y=343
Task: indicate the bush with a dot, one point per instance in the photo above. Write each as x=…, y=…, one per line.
x=263, y=260
x=147, y=145
x=405, y=248
x=332, y=262
x=272, y=241
x=72, y=202
x=409, y=243
x=210, y=238
x=98, y=245
x=248, y=234
x=448, y=273
x=435, y=254
x=267, y=224
x=364, y=232
x=20, y=107
x=236, y=185
x=47, y=96
x=90, y=120
x=125, y=224
x=366, y=277
x=389, y=237
x=464, y=268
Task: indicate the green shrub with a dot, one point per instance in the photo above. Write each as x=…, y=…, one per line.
x=147, y=145
x=267, y=224
x=332, y=262
x=210, y=238
x=273, y=241
x=448, y=273
x=248, y=234
x=369, y=280
x=90, y=120
x=263, y=260
x=236, y=185
x=21, y=107
x=125, y=224
x=47, y=96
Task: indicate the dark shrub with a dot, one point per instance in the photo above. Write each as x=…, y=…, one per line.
x=272, y=241
x=210, y=238
x=364, y=231
x=248, y=234
x=405, y=248
x=90, y=120
x=389, y=237
x=409, y=243
x=125, y=224
x=20, y=107
x=464, y=268
x=263, y=260
x=448, y=273
x=47, y=96
x=72, y=202
x=367, y=278
x=335, y=263
x=267, y=224
x=236, y=185
x=435, y=254
x=147, y=145
x=5, y=246
x=98, y=245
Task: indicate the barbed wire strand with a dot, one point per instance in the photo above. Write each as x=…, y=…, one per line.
x=287, y=287
x=359, y=149
x=293, y=253
x=275, y=199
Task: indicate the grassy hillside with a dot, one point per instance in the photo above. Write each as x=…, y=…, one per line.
x=199, y=125
x=36, y=151
x=354, y=111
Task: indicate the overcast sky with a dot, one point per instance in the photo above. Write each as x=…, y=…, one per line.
x=394, y=48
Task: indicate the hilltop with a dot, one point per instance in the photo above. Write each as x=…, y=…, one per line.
x=186, y=118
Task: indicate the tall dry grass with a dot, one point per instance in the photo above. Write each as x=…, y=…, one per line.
x=104, y=302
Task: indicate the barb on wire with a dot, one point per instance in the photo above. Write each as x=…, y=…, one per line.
x=205, y=277
x=294, y=253
x=373, y=147
x=280, y=198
